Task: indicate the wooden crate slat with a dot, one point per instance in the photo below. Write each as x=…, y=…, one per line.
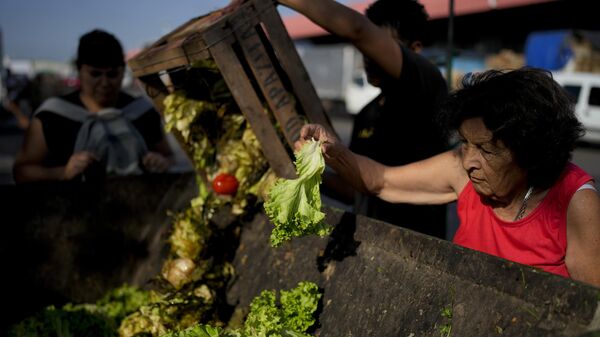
x=279, y=100
x=197, y=24
x=166, y=57
x=250, y=105
x=149, y=54
x=292, y=64
x=260, y=65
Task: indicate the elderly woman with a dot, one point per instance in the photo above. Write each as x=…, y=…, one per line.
x=518, y=195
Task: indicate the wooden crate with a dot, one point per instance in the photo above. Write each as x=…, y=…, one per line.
x=259, y=64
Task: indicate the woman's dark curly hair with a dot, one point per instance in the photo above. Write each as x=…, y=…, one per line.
x=526, y=110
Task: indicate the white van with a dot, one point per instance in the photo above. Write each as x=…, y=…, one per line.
x=585, y=89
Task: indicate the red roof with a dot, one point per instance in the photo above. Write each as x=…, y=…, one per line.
x=299, y=26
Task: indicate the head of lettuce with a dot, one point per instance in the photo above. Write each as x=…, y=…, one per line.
x=294, y=205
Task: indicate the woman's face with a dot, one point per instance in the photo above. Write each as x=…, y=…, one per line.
x=101, y=84
x=489, y=163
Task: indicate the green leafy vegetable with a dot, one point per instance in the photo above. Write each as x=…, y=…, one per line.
x=53, y=322
x=120, y=302
x=294, y=206
x=93, y=320
x=292, y=318
x=267, y=318
x=216, y=136
x=298, y=306
x=202, y=331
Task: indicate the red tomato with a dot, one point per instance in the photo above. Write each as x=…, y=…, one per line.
x=225, y=184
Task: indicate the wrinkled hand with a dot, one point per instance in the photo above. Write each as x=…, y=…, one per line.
x=77, y=163
x=155, y=162
x=330, y=142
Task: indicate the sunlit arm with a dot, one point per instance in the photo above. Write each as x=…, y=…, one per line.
x=436, y=180
x=583, y=237
x=374, y=42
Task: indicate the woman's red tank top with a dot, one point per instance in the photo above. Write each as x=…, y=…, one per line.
x=539, y=239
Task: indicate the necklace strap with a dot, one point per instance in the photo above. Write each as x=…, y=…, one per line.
x=524, y=203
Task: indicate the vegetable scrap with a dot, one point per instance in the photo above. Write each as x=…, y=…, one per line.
x=291, y=317
x=294, y=205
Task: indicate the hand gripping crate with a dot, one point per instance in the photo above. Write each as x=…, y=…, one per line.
x=259, y=63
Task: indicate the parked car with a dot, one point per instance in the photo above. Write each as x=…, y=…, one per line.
x=585, y=90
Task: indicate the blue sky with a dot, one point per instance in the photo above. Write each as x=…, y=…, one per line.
x=50, y=29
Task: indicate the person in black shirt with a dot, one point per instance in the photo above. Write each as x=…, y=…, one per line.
x=96, y=130
x=402, y=116
x=399, y=126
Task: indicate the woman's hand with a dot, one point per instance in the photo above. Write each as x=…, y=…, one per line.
x=156, y=163
x=77, y=163
x=330, y=143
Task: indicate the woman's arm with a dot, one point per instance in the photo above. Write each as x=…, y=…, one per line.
x=33, y=151
x=583, y=237
x=28, y=162
x=436, y=180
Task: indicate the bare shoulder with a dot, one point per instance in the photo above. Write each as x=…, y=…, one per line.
x=584, y=210
x=583, y=237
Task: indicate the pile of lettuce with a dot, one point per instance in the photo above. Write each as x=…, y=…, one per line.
x=217, y=137
x=191, y=286
x=86, y=320
x=294, y=205
x=291, y=317
x=188, y=295
x=192, y=281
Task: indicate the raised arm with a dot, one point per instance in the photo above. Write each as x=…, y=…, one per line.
x=374, y=42
x=436, y=180
x=583, y=237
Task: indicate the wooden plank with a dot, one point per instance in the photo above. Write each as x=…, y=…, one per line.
x=174, y=50
x=277, y=96
x=250, y=105
x=292, y=64
x=195, y=25
x=166, y=57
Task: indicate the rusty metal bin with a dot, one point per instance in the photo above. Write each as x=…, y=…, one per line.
x=72, y=242
x=377, y=279
x=383, y=280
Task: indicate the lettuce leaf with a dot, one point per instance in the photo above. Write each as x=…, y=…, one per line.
x=202, y=331
x=294, y=205
x=291, y=318
x=299, y=305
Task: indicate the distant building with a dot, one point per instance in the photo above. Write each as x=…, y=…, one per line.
x=299, y=27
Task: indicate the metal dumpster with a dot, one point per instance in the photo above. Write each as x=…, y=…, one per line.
x=72, y=242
